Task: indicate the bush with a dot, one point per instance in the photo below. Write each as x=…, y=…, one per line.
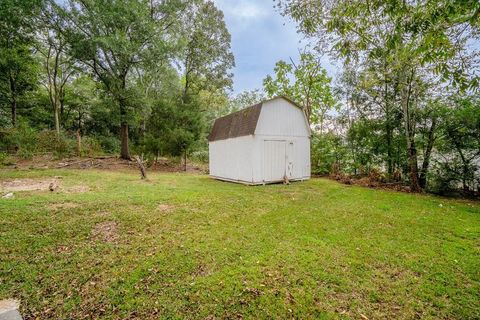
x=5, y=159
x=21, y=140
x=109, y=144
x=61, y=146
x=328, y=153
x=91, y=147
x=26, y=142
x=200, y=156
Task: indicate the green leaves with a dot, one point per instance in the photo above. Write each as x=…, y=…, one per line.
x=306, y=83
x=206, y=55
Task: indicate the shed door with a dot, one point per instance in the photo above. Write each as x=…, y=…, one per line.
x=274, y=160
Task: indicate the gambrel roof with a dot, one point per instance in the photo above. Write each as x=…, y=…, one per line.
x=237, y=124
x=240, y=123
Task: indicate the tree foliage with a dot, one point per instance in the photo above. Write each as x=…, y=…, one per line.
x=306, y=83
x=401, y=58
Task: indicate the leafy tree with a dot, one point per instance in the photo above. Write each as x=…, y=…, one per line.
x=207, y=57
x=310, y=86
x=207, y=60
x=460, y=144
x=408, y=41
x=328, y=151
x=110, y=38
x=59, y=67
x=242, y=100
x=17, y=65
x=173, y=128
x=80, y=99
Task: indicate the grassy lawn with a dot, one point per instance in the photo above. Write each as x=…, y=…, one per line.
x=186, y=246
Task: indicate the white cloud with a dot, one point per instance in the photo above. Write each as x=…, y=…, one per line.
x=241, y=9
x=260, y=37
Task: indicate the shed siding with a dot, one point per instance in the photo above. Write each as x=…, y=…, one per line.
x=244, y=158
x=301, y=156
x=280, y=118
x=231, y=159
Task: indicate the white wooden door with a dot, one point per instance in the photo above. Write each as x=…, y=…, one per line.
x=274, y=160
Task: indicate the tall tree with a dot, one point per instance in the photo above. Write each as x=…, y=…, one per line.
x=460, y=142
x=406, y=36
x=17, y=65
x=112, y=37
x=207, y=61
x=306, y=83
x=207, y=57
x=59, y=67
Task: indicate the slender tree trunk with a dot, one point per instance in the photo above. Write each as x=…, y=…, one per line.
x=124, y=150
x=185, y=160
x=413, y=166
x=57, y=119
x=79, y=143
x=410, y=137
x=388, y=129
x=389, y=149
x=427, y=155
x=464, y=168
x=14, y=111
x=464, y=179
x=13, y=102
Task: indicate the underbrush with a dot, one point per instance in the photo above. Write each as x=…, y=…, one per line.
x=25, y=142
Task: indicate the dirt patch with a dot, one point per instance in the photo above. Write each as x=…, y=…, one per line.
x=104, y=163
x=29, y=185
x=63, y=249
x=202, y=271
x=65, y=205
x=165, y=208
x=105, y=231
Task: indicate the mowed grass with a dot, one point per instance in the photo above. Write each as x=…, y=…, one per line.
x=187, y=246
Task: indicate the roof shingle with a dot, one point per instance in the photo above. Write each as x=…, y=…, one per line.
x=237, y=124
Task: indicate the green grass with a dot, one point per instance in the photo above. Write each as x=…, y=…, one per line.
x=316, y=249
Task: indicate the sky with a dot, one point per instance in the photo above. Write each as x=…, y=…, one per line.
x=260, y=37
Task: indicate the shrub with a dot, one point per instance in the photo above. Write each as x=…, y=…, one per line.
x=26, y=142
x=21, y=140
x=109, y=144
x=91, y=147
x=200, y=156
x=61, y=145
x=5, y=159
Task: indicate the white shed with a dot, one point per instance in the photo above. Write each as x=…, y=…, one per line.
x=265, y=143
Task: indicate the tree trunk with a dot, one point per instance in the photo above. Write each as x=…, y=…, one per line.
x=185, y=160
x=389, y=149
x=388, y=128
x=410, y=136
x=124, y=154
x=14, y=112
x=79, y=144
x=464, y=167
x=13, y=102
x=427, y=155
x=413, y=166
x=57, y=119
x=464, y=179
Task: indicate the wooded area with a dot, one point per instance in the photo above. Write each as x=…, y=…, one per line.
x=148, y=78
